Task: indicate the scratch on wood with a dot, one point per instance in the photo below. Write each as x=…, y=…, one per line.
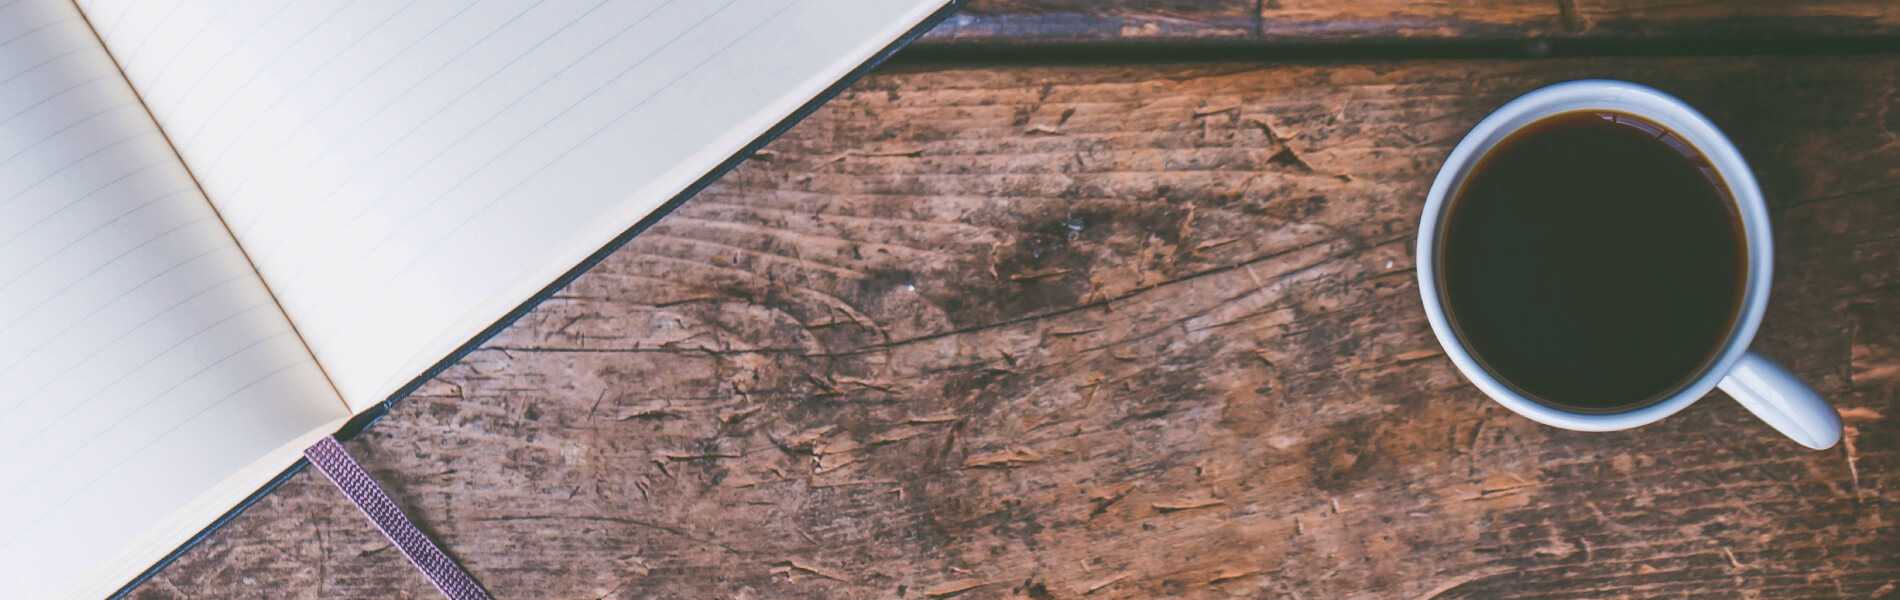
x=1075, y=332
x=735, y=415
x=786, y=567
x=1088, y=389
x=1848, y=438
x=834, y=484
x=953, y=588
x=1231, y=574
x=1884, y=590
x=678, y=455
x=1186, y=229
x=805, y=440
x=1106, y=498
x=1215, y=110
x=895, y=153
x=824, y=464
x=1098, y=585
x=1416, y=355
x=834, y=447
x=662, y=412
x=1003, y=459
x=1506, y=485
x=1859, y=413
x=1267, y=130
x=1456, y=583
x=1038, y=274
x=1286, y=157
x=1212, y=244
x=1189, y=504
x=860, y=382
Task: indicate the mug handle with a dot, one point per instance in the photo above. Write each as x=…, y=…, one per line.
x=1777, y=396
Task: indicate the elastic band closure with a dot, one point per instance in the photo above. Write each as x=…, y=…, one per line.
x=356, y=484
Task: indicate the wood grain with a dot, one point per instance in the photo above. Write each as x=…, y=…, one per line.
x=1123, y=332
x=1278, y=22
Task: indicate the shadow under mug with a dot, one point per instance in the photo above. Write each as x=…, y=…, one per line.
x=1766, y=388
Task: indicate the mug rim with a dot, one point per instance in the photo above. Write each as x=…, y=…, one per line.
x=1642, y=101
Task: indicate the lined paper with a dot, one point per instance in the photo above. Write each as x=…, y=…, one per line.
x=144, y=363
x=403, y=173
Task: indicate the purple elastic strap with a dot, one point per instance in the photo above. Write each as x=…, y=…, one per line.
x=335, y=463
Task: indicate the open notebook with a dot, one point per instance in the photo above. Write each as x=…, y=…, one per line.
x=229, y=228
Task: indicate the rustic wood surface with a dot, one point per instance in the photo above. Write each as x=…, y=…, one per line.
x=1269, y=22
x=1122, y=332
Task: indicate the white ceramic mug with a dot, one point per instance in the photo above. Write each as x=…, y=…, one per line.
x=1767, y=389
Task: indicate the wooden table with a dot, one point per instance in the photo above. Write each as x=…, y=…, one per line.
x=1088, y=329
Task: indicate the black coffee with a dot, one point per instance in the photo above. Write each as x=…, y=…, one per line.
x=1593, y=261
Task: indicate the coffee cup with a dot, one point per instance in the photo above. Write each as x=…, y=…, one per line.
x=1767, y=389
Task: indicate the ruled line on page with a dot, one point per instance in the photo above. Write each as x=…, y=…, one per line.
x=217, y=112
x=95, y=230
x=69, y=409
x=186, y=92
x=51, y=60
x=536, y=88
x=140, y=326
x=53, y=96
x=53, y=457
x=163, y=437
x=157, y=25
x=76, y=200
x=196, y=36
x=334, y=100
x=120, y=20
x=30, y=441
x=260, y=345
x=406, y=267
x=36, y=143
x=440, y=108
x=32, y=30
x=300, y=85
x=322, y=153
x=79, y=242
x=179, y=230
x=60, y=416
x=369, y=249
x=84, y=277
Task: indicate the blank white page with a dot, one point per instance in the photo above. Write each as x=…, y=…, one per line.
x=403, y=173
x=147, y=380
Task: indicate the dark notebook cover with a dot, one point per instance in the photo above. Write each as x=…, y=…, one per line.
x=369, y=417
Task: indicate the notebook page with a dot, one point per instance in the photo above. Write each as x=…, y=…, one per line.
x=404, y=173
x=144, y=363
